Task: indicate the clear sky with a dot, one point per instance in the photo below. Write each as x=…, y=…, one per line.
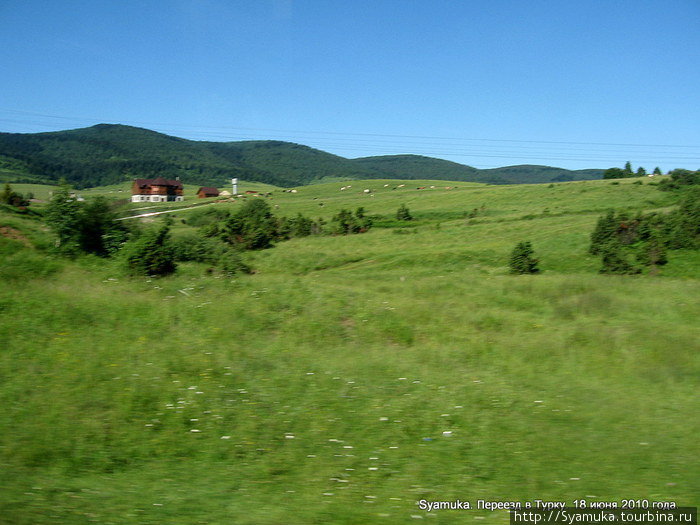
x=570, y=83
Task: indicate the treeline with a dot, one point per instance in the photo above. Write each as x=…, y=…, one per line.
x=109, y=154
x=626, y=172
x=106, y=154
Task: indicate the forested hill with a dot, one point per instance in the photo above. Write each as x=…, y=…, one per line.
x=111, y=153
x=418, y=167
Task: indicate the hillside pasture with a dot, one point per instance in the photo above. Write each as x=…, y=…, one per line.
x=351, y=376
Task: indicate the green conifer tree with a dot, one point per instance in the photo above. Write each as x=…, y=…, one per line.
x=614, y=261
x=627, y=171
x=604, y=232
x=403, y=214
x=522, y=260
x=6, y=194
x=653, y=252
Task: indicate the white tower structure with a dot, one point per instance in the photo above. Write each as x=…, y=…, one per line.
x=234, y=183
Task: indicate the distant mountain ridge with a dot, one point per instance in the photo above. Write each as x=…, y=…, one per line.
x=111, y=153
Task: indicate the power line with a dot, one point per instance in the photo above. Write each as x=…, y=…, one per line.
x=477, y=150
x=180, y=125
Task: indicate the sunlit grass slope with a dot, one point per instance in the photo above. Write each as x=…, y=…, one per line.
x=351, y=376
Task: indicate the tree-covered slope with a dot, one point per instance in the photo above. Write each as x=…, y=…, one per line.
x=530, y=174
x=108, y=154
x=285, y=161
x=418, y=167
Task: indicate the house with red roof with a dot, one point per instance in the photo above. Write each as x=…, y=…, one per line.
x=156, y=190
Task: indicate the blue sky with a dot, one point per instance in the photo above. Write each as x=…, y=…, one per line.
x=485, y=82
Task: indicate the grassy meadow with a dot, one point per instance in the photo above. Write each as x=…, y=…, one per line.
x=351, y=376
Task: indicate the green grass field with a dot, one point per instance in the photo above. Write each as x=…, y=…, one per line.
x=350, y=377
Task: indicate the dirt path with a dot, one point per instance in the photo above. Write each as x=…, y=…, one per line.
x=151, y=214
x=15, y=235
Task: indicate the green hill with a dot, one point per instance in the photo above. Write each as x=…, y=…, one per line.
x=418, y=167
x=109, y=154
x=531, y=174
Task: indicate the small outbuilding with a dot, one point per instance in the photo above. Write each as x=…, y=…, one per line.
x=203, y=193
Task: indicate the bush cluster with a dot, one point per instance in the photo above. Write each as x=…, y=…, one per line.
x=345, y=223
x=645, y=238
x=12, y=198
x=255, y=227
x=151, y=254
x=84, y=227
x=680, y=179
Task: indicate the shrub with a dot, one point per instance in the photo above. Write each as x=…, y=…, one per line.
x=230, y=263
x=62, y=219
x=521, y=259
x=403, y=214
x=97, y=231
x=87, y=227
x=653, y=252
x=207, y=215
x=193, y=247
x=614, y=262
x=151, y=254
x=10, y=197
x=345, y=223
x=252, y=228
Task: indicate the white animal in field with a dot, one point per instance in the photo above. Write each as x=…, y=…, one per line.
x=367, y=191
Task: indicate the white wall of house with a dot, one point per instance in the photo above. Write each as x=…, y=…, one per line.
x=156, y=198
